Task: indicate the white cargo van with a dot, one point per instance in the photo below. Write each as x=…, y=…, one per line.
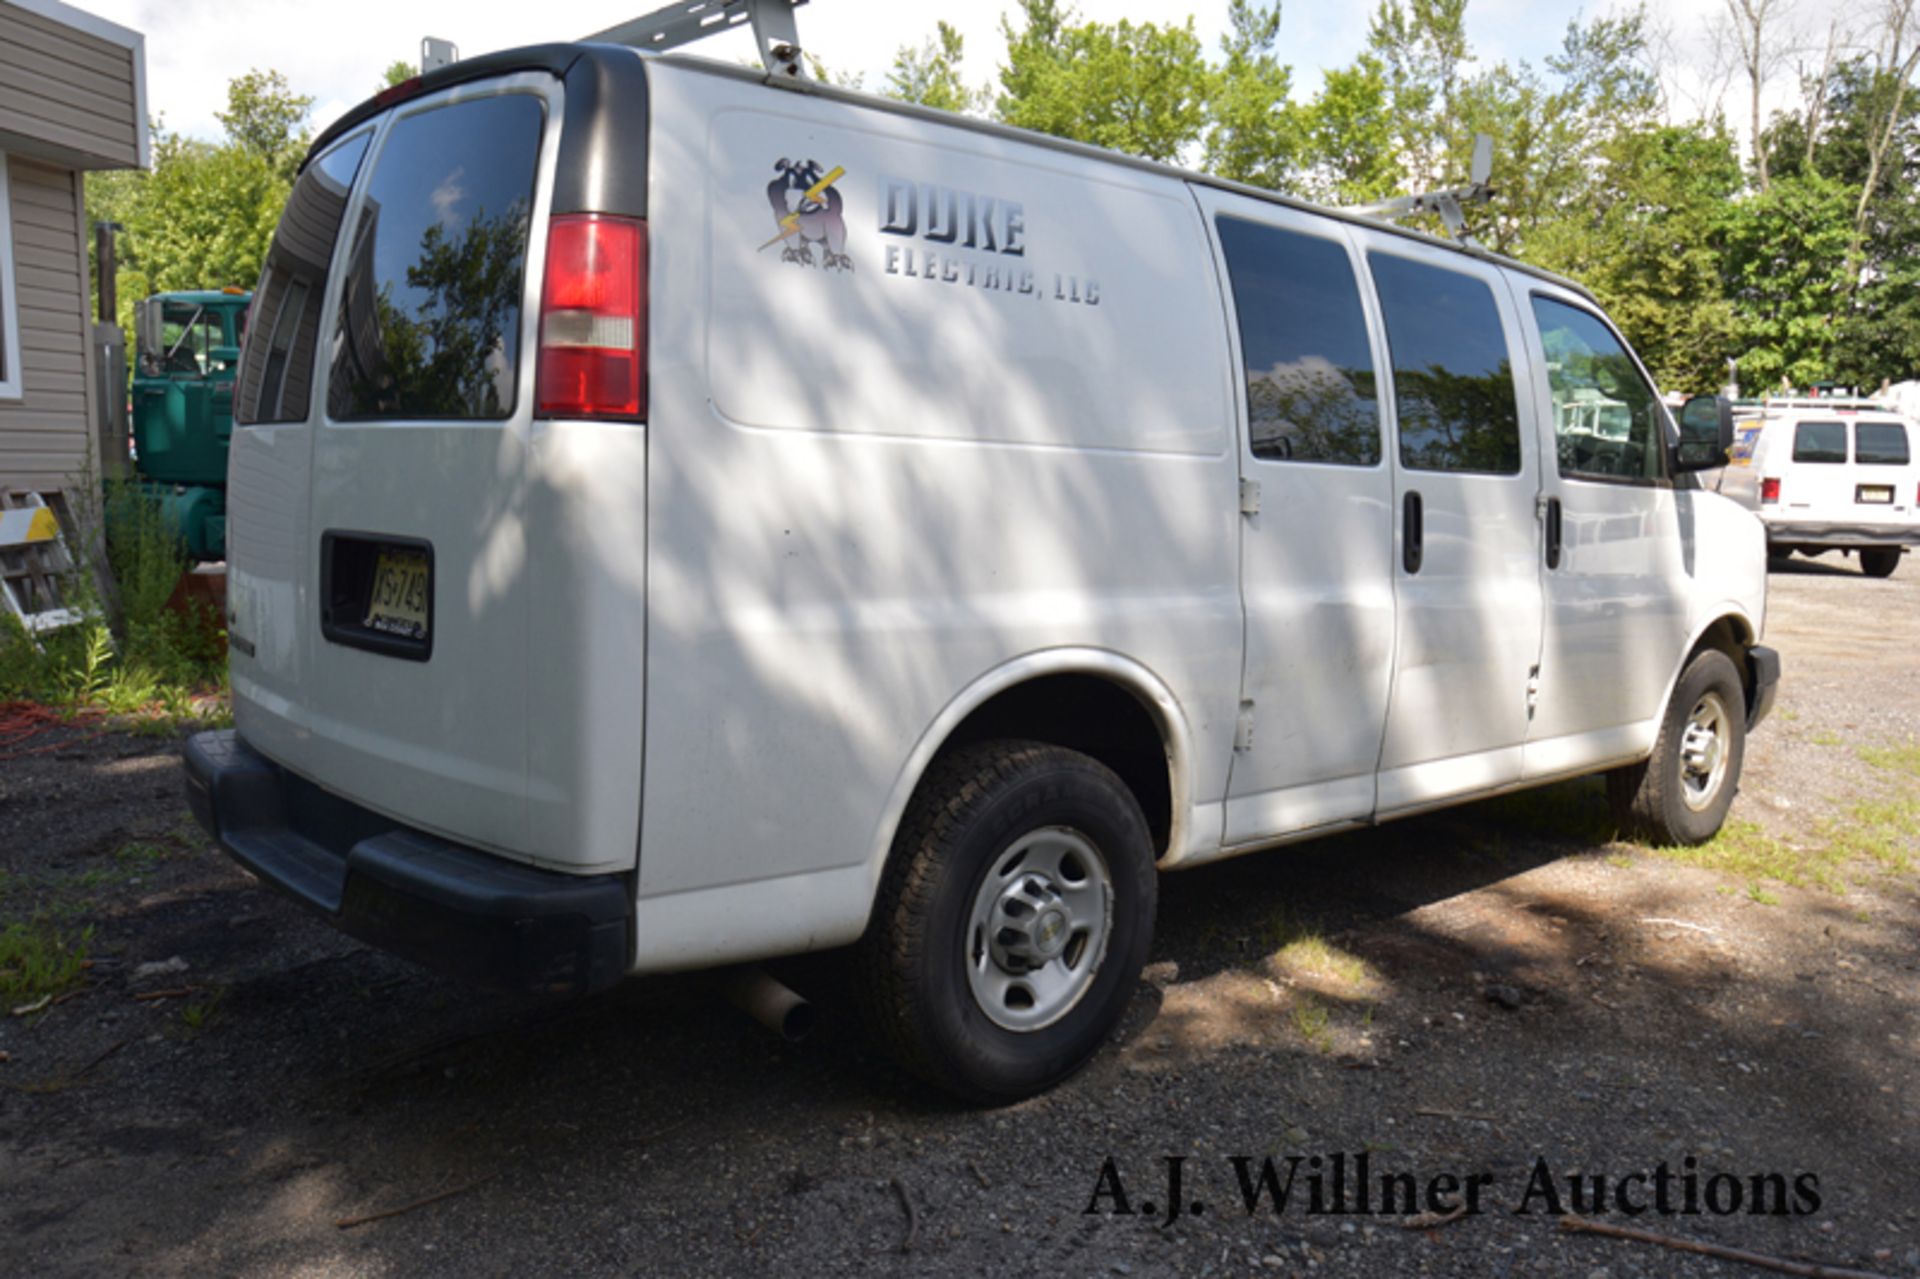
x=682, y=517
x=1826, y=475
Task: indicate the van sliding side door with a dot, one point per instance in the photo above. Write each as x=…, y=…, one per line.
x=1465, y=460
x=1316, y=530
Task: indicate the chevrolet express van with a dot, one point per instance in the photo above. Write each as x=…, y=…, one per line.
x=682, y=516
x=1829, y=475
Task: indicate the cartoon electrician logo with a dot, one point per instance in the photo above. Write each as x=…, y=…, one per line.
x=806, y=212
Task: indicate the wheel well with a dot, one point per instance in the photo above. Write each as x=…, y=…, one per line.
x=1730, y=635
x=1094, y=716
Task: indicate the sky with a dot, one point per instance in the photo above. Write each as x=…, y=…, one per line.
x=194, y=46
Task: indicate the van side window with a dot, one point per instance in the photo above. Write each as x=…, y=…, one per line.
x=1880, y=444
x=276, y=370
x=1311, y=394
x=429, y=321
x=1452, y=375
x=1820, y=442
x=1607, y=422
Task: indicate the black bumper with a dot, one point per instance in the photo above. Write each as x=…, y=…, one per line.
x=1763, y=671
x=454, y=909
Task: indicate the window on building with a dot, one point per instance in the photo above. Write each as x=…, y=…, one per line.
x=11, y=386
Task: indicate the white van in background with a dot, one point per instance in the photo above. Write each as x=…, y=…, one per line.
x=1826, y=475
x=682, y=516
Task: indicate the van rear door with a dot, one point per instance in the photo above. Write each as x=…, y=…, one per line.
x=391, y=664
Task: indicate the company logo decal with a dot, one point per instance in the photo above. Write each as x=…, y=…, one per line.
x=970, y=238
x=807, y=213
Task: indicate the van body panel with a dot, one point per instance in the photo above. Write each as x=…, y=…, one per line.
x=830, y=558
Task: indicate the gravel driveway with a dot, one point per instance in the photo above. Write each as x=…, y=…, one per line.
x=1500, y=994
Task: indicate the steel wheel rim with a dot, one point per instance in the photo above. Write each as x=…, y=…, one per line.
x=1038, y=930
x=1705, y=744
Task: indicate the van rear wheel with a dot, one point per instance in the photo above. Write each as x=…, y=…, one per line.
x=1013, y=920
x=1680, y=795
x=1880, y=561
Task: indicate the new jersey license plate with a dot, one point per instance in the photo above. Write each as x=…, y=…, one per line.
x=402, y=585
x=1873, y=493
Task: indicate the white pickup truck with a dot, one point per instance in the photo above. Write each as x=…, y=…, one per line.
x=682, y=516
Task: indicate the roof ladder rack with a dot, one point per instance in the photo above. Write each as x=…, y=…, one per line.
x=775, y=33
x=1446, y=203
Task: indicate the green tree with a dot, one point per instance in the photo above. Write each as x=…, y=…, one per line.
x=265, y=117
x=1785, y=270
x=930, y=74
x=1254, y=130
x=398, y=72
x=1348, y=136
x=1135, y=88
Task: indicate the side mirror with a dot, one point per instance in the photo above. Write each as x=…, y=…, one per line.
x=146, y=330
x=1706, y=434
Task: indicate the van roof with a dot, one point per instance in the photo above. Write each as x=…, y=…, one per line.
x=557, y=58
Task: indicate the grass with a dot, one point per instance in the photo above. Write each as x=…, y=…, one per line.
x=1310, y=1018
x=197, y=1014
x=153, y=666
x=1894, y=759
x=39, y=959
x=1742, y=850
x=1827, y=739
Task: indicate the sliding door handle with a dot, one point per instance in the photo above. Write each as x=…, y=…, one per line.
x=1553, y=532
x=1412, y=532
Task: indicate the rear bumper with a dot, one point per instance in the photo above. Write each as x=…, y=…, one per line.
x=1763, y=670
x=452, y=908
x=1827, y=533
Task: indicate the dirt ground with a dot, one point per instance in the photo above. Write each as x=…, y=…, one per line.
x=1498, y=991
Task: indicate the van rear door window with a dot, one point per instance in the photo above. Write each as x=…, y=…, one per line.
x=1820, y=442
x=1452, y=375
x=1880, y=444
x=276, y=372
x=429, y=320
x=1309, y=371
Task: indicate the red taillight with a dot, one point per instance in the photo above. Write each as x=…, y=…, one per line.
x=397, y=92
x=1770, y=490
x=593, y=318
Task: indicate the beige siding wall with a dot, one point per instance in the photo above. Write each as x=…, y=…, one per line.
x=65, y=91
x=43, y=435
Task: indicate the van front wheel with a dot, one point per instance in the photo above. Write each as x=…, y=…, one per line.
x=1013, y=920
x=1680, y=795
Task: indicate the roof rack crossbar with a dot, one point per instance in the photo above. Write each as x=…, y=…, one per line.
x=775, y=33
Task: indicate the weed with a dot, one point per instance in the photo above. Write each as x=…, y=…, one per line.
x=1756, y=893
x=1827, y=739
x=1310, y=1018
x=1622, y=860
x=1787, y=714
x=1313, y=955
x=37, y=959
x=198, y=1013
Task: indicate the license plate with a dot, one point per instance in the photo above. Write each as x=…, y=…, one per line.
x=401, y=588
x=1873, y=493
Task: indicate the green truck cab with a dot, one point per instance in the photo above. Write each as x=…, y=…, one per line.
x=187, y=349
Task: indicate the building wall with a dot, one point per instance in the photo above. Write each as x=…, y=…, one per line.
x=65, y=91
x=44, y=434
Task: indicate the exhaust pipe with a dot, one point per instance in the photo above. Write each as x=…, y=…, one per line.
x=778, y=1007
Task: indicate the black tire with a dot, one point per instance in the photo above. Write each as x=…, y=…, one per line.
x=911, y=967
x=1880, y=561
x=1651, y=798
